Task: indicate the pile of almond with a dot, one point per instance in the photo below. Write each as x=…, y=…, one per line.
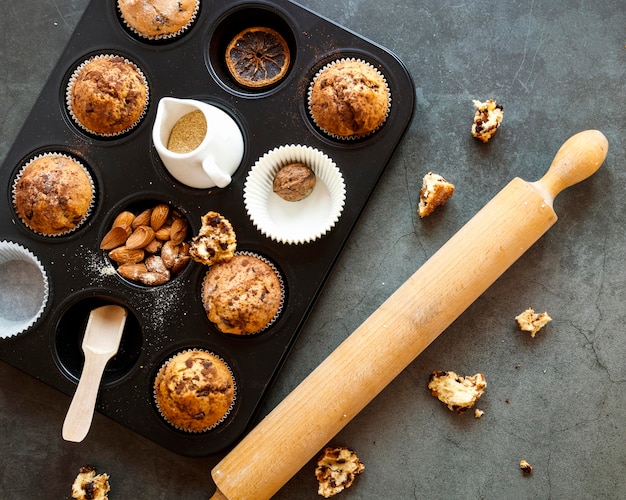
x=149, y=247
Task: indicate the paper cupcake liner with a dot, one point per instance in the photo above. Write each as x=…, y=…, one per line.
x=91, y=204
x=294, y=222
x=350, y=137
x=24, y=289
x=165, y=36
x=221, y=420
x=282, y=290
x=70, y=86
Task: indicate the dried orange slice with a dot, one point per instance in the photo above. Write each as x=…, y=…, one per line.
x=257, y=57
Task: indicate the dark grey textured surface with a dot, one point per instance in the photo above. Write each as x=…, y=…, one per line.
x=559, y=400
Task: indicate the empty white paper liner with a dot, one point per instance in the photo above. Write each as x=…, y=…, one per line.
x=23, y=289
x=294, y=222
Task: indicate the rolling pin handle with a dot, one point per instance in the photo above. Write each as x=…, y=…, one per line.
x=218, y=495
x=577, y=159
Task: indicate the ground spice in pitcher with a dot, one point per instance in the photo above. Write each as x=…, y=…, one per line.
x=187, y=133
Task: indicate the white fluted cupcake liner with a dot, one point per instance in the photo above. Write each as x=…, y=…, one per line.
x=221, y=420
x=91, y=204
x=294, y=222
x=70, y=86
x=282, y=290
x=165, y=36
x=350, y=137
x=24, y=289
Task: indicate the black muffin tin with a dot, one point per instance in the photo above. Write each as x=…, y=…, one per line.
x=128, y=173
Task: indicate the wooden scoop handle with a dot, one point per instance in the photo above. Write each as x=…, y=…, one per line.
x=402, y=327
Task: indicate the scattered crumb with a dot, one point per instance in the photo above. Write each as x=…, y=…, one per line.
x=435, y=192
x=526, y=467
x=336, y=470
x=478, y=413
x=532, y=322
x=89, y=486
x=456, y=392
x=487, y=119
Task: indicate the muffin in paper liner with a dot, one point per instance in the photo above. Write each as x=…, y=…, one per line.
x=233, y=307
x=50, y=204
x=24, y=289
x=195, y=390
x=154, y=23
x=301, y=221
x=352, y=104
x=111, y=102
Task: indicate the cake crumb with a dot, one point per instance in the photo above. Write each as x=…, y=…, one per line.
x=487, y=119
x=336, y=470
x=456, y=392
x=478, y=413
x=435, y=192
x=532, y=322
x=90, y=486
x=527, y=469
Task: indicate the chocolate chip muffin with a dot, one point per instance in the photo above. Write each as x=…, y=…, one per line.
x=194, y=390
x=158, y=19
x=243, y=295
x=107, y=95
x=53, y=194
x=349, y=98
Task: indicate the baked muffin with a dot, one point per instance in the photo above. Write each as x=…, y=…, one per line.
x=107, y=95
x=349, y=98
x=53, y=194
x=194, y=390
x=243, y=295
x=257, y=57
x=158, y=19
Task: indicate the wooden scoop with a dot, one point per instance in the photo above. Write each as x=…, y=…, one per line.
x=100, y=344
x=402, y=327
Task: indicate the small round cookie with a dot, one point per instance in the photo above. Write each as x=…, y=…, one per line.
x=216, y=241
x=158, y=19
x=294, y=182
x=258, y=57
x=349, y=98
x=53, y=194
x=243, y=295
x=195, y=390
x=107, y=95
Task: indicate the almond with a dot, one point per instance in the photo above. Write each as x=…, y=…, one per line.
x=123, y=255
x=159, y=216
x=116, y=237
x=169, y=253
x=152, y=278
x=141, y=237
x=124, y=218
x=154, y=246
x=132, y=271
x=163, y=233
x=143, y=219
x=180, y=263
x=154, y=264
x=178, y=233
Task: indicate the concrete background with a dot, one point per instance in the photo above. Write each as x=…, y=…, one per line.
x=558, y=400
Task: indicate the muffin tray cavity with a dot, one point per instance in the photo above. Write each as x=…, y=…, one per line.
x=74, y=275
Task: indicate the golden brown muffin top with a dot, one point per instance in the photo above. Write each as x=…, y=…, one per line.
x=349, y=98
x=157, y=18
x=242, y=295
x=109, y=95
x=194, y=390
x=53, y=194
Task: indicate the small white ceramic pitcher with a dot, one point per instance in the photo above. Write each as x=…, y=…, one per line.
x=217, y=157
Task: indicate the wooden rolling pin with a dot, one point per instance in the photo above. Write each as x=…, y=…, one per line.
x=402, y=327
